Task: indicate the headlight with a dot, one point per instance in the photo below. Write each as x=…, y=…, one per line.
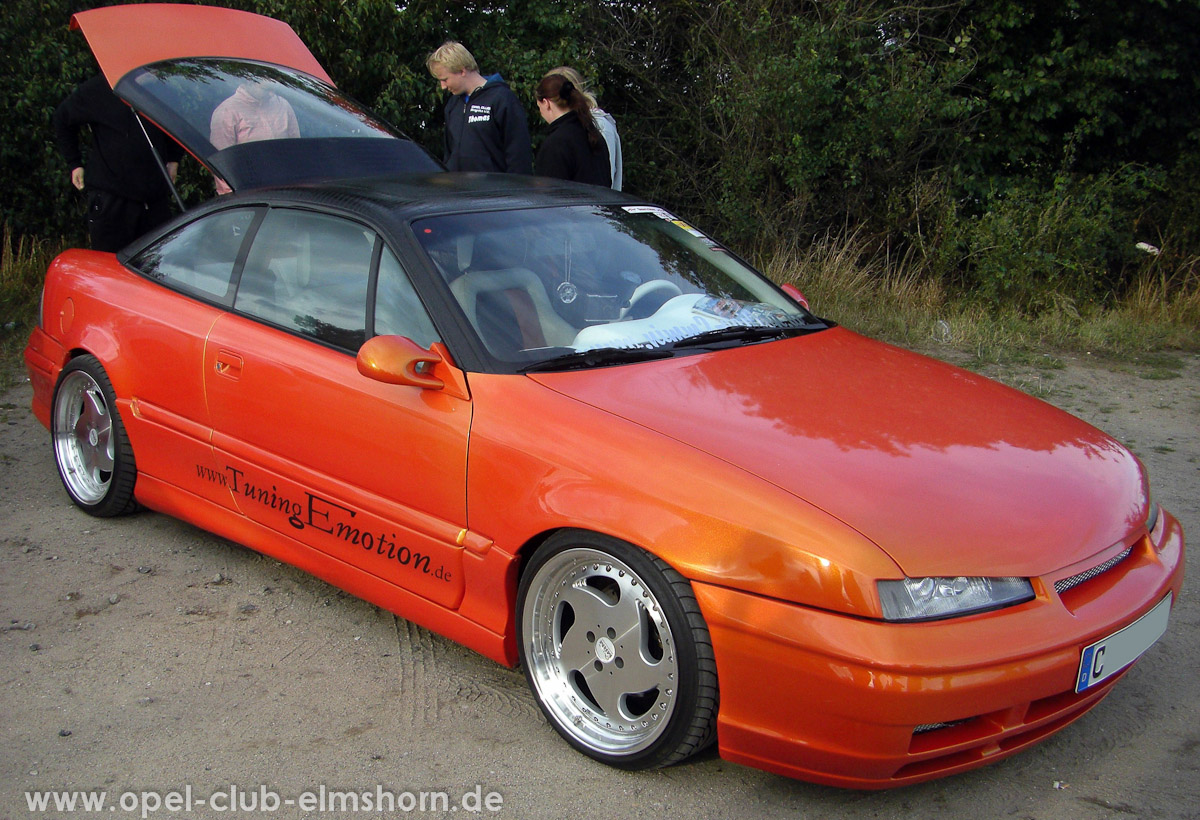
x=924, y=599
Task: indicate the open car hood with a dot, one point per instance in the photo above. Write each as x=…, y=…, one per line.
x=177, y=64
x=123, y=38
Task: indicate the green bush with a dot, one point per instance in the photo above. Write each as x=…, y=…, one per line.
x=1035, y=245
x=41, y=62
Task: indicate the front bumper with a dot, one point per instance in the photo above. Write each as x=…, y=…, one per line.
x=859, y=703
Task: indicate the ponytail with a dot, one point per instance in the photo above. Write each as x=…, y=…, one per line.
x=561, y=91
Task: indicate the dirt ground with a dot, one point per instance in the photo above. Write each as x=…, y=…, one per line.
x=143, y=655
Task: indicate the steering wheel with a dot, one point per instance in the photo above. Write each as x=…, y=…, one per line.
x=649, y=297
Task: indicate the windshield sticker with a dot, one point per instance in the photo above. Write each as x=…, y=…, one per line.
x=680, y=223
x=649, y=209
x=667, y=216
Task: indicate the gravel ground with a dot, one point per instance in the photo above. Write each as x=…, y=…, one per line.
x=143, y=655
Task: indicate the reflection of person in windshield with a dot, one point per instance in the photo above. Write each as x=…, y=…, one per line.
x=254, y=112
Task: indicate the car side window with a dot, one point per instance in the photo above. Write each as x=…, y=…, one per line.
x=308, y=272
x=199, y=258
x=398, y=309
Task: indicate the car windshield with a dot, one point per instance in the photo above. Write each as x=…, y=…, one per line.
x=257, y=124
x=586, y=286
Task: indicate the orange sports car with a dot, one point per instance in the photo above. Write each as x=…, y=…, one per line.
x=571, y=431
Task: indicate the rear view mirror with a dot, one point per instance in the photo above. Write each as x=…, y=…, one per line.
x=399, y=360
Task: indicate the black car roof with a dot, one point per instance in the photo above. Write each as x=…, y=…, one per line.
x=388, y=202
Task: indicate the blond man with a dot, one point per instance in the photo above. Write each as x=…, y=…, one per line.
x=487, y=128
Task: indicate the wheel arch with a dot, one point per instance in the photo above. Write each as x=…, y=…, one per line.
x=101, y=343
x=523, y=553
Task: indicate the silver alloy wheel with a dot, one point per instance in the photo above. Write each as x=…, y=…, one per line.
x=600, y=651
x=83, y=437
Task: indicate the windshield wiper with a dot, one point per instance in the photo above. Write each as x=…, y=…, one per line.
x=741, y=333
x=599, y=357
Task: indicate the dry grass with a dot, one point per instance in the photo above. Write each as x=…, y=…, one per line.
x=23, y=263
x=887, y=298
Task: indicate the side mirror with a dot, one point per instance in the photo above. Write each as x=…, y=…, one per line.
x=794, y=292
x=399, y=360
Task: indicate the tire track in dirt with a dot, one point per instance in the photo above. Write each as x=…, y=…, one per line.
x=439, y=679
x=417, y=652
x=502, y=693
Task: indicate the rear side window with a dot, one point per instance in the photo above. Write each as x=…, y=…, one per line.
x=200, y=257
x=309, y=273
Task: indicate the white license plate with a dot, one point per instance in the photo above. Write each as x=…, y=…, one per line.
x=1107, y=657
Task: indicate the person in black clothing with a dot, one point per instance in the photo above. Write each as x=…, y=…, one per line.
x=486, y=126
x=127, y=193
x=573, y=148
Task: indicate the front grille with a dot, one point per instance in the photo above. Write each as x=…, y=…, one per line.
x=1063, y=584
x=933, y=727
x=964, y=744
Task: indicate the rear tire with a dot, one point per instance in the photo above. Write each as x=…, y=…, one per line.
x=91, y=449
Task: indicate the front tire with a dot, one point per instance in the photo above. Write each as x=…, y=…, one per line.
x=91, y=449
x=616, y=651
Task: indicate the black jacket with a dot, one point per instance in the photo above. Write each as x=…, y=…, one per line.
x=488, y=131
x=119, y=160
x=567, y=154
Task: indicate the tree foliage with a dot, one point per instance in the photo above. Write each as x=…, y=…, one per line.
x=40, y=63
x=1009, y=146
x=1016, y=148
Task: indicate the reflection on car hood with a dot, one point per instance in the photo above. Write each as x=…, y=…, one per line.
x=948, y=472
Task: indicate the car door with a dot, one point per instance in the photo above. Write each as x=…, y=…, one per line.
x=372, y=474
x=162, y=342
